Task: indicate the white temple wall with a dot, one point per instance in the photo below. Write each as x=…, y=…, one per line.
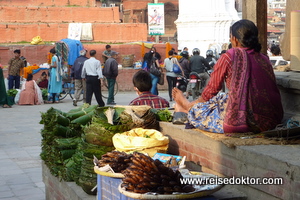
x=201, y=23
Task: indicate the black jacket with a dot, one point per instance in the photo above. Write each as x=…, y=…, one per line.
x=77, y=67
x=110, y=68
x=198, y=64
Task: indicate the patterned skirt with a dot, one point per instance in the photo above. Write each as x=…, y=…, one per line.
x=209, y=116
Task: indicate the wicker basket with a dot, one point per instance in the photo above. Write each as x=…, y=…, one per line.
x=127, y=60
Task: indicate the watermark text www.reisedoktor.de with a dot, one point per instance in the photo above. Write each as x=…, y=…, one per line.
x=243, y=180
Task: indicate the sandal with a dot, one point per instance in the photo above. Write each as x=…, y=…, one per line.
x=6, y=106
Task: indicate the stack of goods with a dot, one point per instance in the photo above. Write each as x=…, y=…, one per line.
x=117, y=160
x=64, y=150
x=59, y=141
x=146, y=175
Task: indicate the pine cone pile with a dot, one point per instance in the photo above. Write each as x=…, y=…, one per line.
x=146, y=175
x=117, y=160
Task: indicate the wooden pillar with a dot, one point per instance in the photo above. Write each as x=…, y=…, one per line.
x=256, y=11
x=262, y=21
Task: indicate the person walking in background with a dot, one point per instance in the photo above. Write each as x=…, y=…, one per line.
x=149, y=59
x=171, y=76
x=76, y=71
x=30, y=93
x=107, y=53
x=15, y=66
x=185, y=63
x=156, y=54
x=142, y=84
x=55, y=82
x=110, y=71
x=92, y=73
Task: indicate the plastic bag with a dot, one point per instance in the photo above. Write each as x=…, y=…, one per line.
x=179, y=118
x=37, y=40
x=148, y=141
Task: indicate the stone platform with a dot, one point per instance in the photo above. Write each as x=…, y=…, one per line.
x=259, y=161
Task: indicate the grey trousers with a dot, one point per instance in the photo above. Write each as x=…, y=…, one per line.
x=79, y=86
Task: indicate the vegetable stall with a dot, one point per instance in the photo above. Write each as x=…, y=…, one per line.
x=90, y=144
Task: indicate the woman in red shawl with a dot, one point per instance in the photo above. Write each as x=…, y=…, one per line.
x=253, y=102
x=43, y=81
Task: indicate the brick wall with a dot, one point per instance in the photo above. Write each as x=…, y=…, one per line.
x=37, y=14
x=61, y=190
x=142, y=4
x=102, y=32
x=37, y=54
x=56, y=3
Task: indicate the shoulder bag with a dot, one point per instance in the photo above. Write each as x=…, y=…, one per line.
x=154, y=70
x=161, y=78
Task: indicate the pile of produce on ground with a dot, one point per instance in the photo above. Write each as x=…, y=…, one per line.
x=71, y=139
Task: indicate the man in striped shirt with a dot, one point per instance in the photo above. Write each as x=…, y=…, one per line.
x=142, y=85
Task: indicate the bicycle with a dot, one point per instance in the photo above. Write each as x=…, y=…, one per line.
x=68, y=88
x=104, y=88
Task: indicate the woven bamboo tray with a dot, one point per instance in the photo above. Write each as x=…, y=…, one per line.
x=109, y=174
x=195, y=194
x=199, y=192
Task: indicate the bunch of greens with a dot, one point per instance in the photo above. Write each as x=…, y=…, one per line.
x=12, y=92
x=163, y=115
x=45, y=94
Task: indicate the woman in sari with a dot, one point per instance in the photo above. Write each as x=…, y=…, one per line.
x=4, y=99
x=30, y=93
x=253, y=103
x=55, y=82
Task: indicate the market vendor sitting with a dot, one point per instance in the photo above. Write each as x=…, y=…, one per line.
x=42, y=82
x=253, y=103
x=142, y=85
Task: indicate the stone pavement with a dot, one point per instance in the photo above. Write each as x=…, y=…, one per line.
x=20, y=140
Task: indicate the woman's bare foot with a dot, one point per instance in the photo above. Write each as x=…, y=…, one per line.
x=180, y=99
x=6, y=106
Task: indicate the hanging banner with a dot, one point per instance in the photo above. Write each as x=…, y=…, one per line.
x=156, y=19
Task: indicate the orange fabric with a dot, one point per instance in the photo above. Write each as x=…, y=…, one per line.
x=143, y=50
x=28, y=70
x=168, y=48
x=49, y=57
